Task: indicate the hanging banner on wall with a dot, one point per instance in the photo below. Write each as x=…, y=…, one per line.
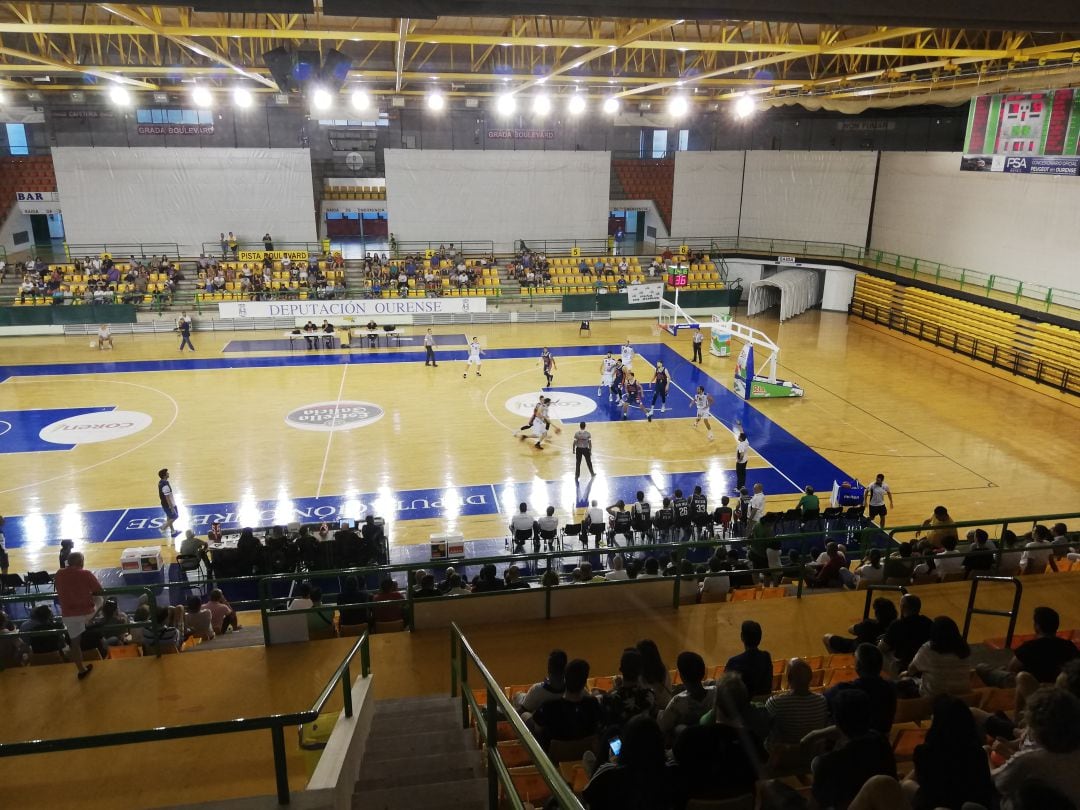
x=522, y=134
x=644, y=293
x=351, y=308
x=1063, y=166
x=38, y=202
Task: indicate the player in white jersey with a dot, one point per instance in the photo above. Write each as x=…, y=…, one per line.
x=702, y=402
x=607, y=373
x=532, y=419
x=627, y=353
x=474, y=357
x=542, y=423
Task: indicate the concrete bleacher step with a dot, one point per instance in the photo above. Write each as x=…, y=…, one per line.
x=418, y=747
x=426, y=768
x=463, y=794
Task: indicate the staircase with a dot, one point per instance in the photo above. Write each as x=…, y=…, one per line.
x=417, y=754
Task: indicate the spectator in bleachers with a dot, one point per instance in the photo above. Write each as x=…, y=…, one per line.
x=575, y=715
x=1052, y=757
x=834, y=573
x=640, y=779
x=716, y=582
x=587, y=575
x=551, y=688
x=488, y=580
x=111, y=623
x=550, y=579
x=654, y=673
x=687, y=707
x=222, y=615
x=393, y=612
x=456, y=587
x=753, y=664
x=512, y=579
x=906, y=635
x=980, y=556
x=871, y=571
x=721, y=757
x=941, y=666
x=198, y=620
x=1038, y=552
x=628, y=698
x=651, y=570
x=882, y=693
x=798, y=711
x=164, y=635
x=302, y=599
x=951, y=767
x=1042, y=657
x=42, y=618
x=941, y=525
x=322, y=621
x=862, y=753
x=618, y=569
x=868, y=631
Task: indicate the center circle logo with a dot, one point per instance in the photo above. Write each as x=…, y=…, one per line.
x=564, y=405
x=327, y=416
x=91, y=428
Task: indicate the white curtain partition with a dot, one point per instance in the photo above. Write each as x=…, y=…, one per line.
x=184, y=195
x=794, y=290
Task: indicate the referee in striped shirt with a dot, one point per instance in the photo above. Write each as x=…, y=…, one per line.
x=582, y=450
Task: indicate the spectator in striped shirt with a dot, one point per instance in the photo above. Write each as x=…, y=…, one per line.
x=798, y=711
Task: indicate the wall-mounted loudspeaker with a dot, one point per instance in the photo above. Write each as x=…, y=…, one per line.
x=280, y=64
x=335, y=70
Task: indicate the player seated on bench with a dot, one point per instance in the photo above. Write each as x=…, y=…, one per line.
x=620, y=523
x=523, y=529
x=664, y=522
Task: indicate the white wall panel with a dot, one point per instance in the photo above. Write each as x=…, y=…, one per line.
x=708, y=186
x=187, y=196
x=461, y=196
x=819, y=196
x=1016, y=225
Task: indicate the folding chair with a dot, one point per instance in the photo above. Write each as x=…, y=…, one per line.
x=521, y=537
x=9, y=583
x=37, y=579
x=550, y=537
x=573, y=530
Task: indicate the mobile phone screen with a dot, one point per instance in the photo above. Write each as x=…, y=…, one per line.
x=616, y=747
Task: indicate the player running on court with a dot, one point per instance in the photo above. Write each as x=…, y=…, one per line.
x=532, y=419
x=549, y=365
x=607, y=373
x=474, y=357
x=661, y=380
x=543, y=424
x=627, y=356
x=702, y=402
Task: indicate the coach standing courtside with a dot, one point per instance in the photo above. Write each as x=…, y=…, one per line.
x=582, y=450
x=429, y=348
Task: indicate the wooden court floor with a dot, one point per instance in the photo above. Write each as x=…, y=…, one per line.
x=942, y=429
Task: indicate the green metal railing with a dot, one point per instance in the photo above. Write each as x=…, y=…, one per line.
x=120, y=251
x=274, y=723
x=213, y=249
x=1030, y=521
x=487, y=719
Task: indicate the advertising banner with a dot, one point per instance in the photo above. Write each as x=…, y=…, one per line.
x=350, y=308
x=644, y=293
x=259, y=255
x=38, y=202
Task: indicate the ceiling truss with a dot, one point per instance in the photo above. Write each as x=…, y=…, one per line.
x=88, y=47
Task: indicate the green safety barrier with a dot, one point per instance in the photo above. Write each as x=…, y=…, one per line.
x=48, y=315
x=688, y=299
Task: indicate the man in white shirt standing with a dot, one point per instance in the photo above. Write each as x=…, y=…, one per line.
x=742, y=454
x=429, y=349
x=757, y=509
x=876, y=494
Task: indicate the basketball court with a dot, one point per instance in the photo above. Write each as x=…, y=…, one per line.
x=254, y=438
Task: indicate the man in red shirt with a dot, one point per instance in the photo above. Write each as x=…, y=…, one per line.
x=76, y=589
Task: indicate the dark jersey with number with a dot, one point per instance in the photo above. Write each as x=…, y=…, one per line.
x=661, y=381
x=699, y=505
x=682, y=510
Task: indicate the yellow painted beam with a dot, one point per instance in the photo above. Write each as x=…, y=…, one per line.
x=67, y=67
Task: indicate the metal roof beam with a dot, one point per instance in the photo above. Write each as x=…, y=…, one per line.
x=68, y=67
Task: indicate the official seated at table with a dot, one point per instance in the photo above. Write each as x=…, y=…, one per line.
x=373, y=333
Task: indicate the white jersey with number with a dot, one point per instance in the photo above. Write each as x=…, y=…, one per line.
x=627, y=356
x=540, y=423
x=474, y=353
x=701, y=402
x=607, y=372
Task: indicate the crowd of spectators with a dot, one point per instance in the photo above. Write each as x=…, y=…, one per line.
x=650, y=741
x=101, y=279
x=273, y=278
x=414, y=274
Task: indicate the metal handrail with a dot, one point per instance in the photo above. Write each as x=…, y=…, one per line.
x=276, y=724
x=870, y=596
x=1012, y=615
x=461, y=653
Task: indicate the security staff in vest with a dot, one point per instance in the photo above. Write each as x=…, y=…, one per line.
x=547, y=527
x=582, y=450
x=620, y=521
x=522, y=528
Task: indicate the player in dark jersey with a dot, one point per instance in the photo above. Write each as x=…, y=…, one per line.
x=681, y=507
x=549, y=365
x=699, y=512
x=661, y=381
x=631, y=395
x=664, y=520
x=618, y=375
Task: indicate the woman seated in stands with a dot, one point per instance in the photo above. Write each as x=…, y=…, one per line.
x=638, y=778
x=112, y=624
x=165, y=634
x=222, y=615
x=654, y=674
x=941, y=666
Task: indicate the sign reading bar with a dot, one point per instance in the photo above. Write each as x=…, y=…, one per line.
x=644, y=293
x=351, y=308
x=38, y=202
x=259, y=255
